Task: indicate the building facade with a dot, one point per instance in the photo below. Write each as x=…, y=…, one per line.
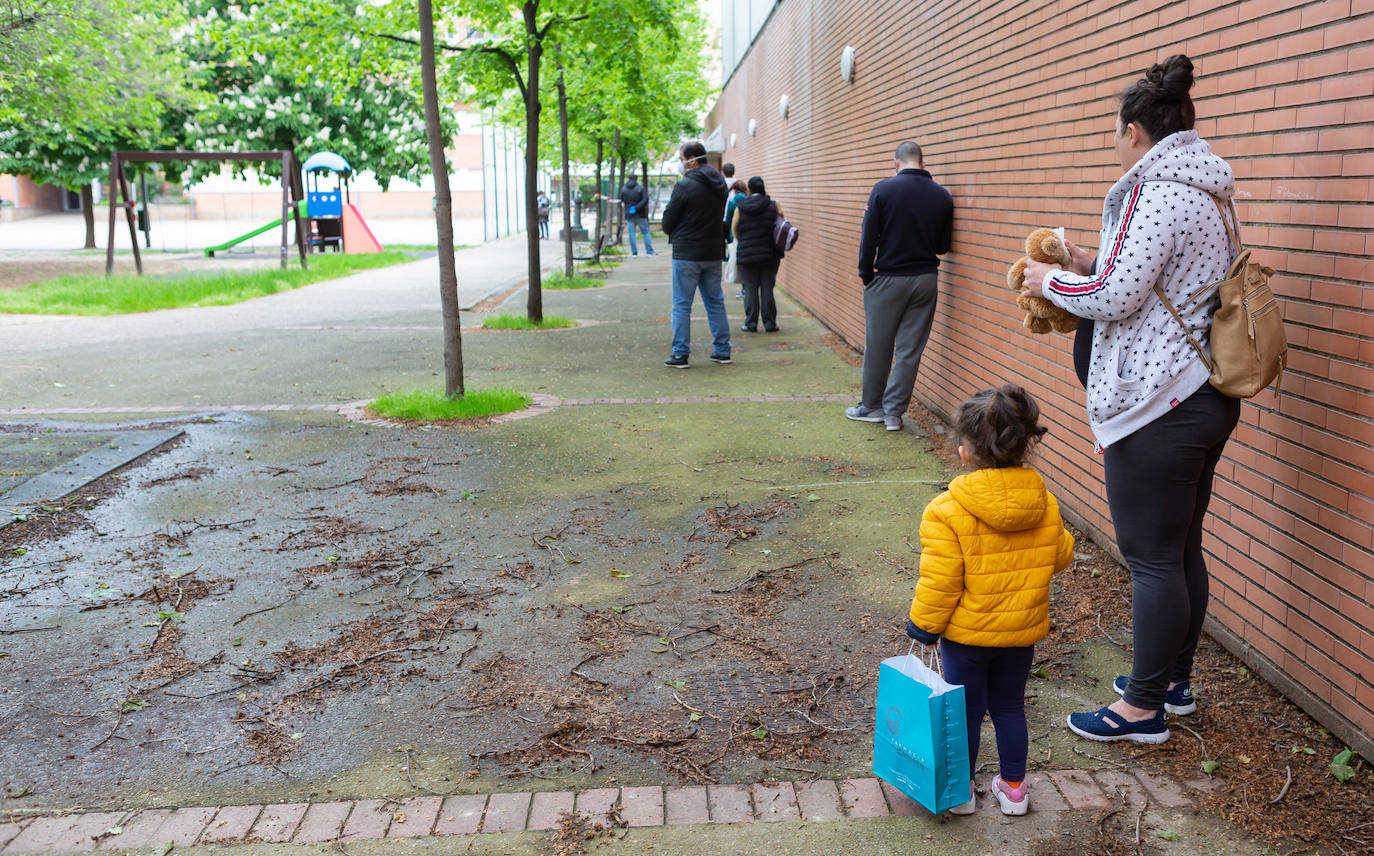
x=1014, y=104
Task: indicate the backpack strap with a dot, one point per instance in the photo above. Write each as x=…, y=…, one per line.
x=1187, y=333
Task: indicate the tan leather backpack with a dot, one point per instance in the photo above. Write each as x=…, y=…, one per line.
x=1249, y=348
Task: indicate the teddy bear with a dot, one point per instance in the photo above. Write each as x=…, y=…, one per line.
x=1042, y=316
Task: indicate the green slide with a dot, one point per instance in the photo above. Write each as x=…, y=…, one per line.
x=210, y=251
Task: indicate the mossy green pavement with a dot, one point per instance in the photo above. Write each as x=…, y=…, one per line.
x=382, y=611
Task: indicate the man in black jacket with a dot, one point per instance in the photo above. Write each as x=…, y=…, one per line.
x=907, y=225
x=636, y=201
x=694, y=222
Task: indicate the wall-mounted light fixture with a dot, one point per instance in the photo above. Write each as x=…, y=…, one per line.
x=752, y=126
x=782, y=106
x=847, y=63
x=732, y=141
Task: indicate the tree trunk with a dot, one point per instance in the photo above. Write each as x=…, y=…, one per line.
x=600, y=202
x=443, y=210
x=653, y=196
x=88, y=214
x=534, y=49
x=567, y=181
x=620, y=230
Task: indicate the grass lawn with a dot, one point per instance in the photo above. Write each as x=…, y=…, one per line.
x=559, y=281
x=431, y=405
x=95, y=294
x=507, y=321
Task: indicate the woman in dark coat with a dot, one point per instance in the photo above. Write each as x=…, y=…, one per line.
x=757, y=256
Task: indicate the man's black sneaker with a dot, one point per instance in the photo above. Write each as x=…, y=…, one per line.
x=723, y=359
x=676, y=362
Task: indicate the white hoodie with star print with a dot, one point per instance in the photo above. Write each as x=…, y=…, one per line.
x=1159, y=224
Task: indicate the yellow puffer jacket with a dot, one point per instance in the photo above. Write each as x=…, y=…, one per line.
x=989, y=546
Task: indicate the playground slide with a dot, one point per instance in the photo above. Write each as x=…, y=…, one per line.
x=357, y=237
x=275, y=224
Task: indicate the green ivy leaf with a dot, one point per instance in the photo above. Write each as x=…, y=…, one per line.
x=1167, y=836
x=695, y=717
x=1210, y=767
x=676, y=683
x=131, y=704
x=1340, y=765
x=759, y=733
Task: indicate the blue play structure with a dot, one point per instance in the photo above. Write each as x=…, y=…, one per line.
x=326, y=207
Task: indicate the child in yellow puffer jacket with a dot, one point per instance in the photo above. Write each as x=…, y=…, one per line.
x=989, y=546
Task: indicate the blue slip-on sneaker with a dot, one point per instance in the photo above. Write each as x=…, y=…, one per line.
x=1107, y=726
x=1179, y=701
x=859, y=413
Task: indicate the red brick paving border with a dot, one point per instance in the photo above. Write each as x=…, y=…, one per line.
x=813, y=801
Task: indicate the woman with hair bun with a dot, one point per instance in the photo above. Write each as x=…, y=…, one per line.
x=1159, y=424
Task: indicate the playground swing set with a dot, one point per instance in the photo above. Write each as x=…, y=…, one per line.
x=323, y=218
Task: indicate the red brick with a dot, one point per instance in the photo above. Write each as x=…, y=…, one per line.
x=506, y=812
x=368, y=820
x=1120, y=785
x=863, y=798
x=231, y=823
x=598, y=802
x=461, y=815
x=642, y=806
x=8, y=832
x=730, y=804
x=184, y=827
x=75, y=832
x=321, y=822
x=903, y=805
x=1163, y=790
x=1080, y=790
x=548, y=807
x=818, y=800
x=418, y=814
x=775, y=801
x=1044, y=796
x=138, y=831
x=686, y=805
x=278, y=823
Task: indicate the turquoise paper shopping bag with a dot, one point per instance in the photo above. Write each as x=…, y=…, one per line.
x=920, y=736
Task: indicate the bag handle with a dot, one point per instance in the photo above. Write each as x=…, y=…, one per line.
x=930, y=657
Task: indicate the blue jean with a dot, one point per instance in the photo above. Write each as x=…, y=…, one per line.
x=994, y=681
x=688, y=277
x=643, y=224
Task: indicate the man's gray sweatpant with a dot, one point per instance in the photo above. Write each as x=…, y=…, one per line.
x=898, y=314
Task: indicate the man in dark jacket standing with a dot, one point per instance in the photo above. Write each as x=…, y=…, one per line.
x=907, y=225
x=636, y=202
x=694, y=222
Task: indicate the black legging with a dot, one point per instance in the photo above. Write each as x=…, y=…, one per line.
x=1159, y=481
x=757, y=279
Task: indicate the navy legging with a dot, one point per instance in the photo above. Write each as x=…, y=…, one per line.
x=994, y=681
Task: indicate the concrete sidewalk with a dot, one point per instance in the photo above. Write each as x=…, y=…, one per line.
x=670, y=593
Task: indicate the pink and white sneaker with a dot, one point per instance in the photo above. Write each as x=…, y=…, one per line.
x=969, y=807
x=1013, y=801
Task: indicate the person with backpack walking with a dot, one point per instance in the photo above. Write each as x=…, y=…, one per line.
x=757, y=256
x=1160, y=425
x=907, y=226
x=989, y=545
x=635, y=199
x=543, y=205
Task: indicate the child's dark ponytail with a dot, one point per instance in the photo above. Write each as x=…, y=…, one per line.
x=999, y=425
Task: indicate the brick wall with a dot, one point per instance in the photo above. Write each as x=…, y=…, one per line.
x=1014, y=104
